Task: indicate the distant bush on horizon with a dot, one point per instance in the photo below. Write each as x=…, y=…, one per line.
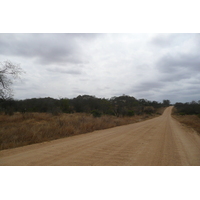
x=118, y=106
x=189, y=108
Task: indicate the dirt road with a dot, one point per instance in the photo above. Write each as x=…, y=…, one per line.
x=158, y=141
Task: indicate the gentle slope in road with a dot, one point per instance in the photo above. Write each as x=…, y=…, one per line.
x=158, y=141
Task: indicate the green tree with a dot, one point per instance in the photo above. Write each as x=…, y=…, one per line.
x=64, y=105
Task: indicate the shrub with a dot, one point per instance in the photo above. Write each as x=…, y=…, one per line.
x=9, y=111
x=96, y=113
x=55, y=111
x=130, y=113
x=149, y=109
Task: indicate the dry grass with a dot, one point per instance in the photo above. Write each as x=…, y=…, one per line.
x=192, y=121
x=29, y=128
x=160, y=111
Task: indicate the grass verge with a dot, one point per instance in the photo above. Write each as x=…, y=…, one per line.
x=29, y=128
x=192, y=121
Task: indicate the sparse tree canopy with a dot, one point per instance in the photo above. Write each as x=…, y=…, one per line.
x=8, y=72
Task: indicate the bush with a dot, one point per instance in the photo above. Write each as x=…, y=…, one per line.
x=149, y=109
x=96, y=113
x=192, y=108
x=55, y=111
x=130, y=113
x=9, y=111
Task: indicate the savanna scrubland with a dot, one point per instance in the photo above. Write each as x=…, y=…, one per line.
x=32, y=121
x=188, y=114
x=29, y=121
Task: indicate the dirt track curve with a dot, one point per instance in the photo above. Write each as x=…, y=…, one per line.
x=158, y=141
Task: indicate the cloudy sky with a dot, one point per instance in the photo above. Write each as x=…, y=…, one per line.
x=150, y=66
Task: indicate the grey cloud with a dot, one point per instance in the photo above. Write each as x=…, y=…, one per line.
x=148, y=85
x=164, y=40
x=88, y=36
x=183, y=62
x=46, y=48
x=186, y=93
x=174, y=76
x=64, y=70
x=170, y=63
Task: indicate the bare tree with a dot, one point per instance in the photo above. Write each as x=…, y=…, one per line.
x=8, y=72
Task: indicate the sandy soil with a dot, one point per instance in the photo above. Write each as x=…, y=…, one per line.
x=159, y=141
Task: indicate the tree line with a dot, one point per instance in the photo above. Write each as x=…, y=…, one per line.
x=189, y=108
x=119, y=106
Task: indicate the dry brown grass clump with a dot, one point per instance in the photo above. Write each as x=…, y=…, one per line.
x=192, y=121
x=29, y=128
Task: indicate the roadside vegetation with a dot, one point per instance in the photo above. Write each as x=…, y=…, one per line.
x=32, y=121
x=29, y=128
x=188, y=114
